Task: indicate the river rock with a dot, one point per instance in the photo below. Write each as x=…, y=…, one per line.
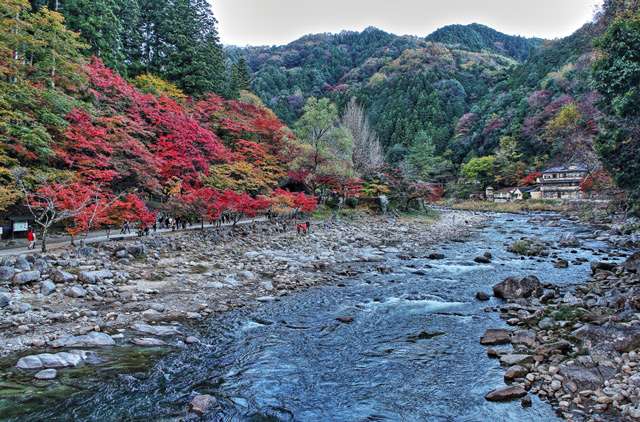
x=60, y=276
x=7, y=273
x=482, y=260
x=525, y=337
x=85, y=252
x=482, y=296
x=93, y=339
x=606, y=266
x=516, y=371
x=568, y=240
x=632, y=263
x=517, y=288
x=40, y=265
x=619, y=338
x=156, y=330
x=202, y=404
x=506, y=393
x=435, y=256
x=91, y=277
x=48, y=360
x=22, y=264
x=345, y=319
x=75, y=291
x=585, y=378
x=495, y=336
x=138, y=250
x=26, y=277
x=561, y=263
x=148, y=342
x=46, y=374
x=5, y=299
x=48, y=287
x=513, y=359
x=547, y=349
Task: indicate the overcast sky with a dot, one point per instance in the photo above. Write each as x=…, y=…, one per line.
x=277, y=22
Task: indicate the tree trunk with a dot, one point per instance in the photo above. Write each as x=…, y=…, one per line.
x=44, y=240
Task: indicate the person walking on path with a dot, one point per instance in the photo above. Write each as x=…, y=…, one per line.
x=308, y=227
x=326, y=226
x=299, y=228
x=304, y=228
x=127, y=227
x=32, y=239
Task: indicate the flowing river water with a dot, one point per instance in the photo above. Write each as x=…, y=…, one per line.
x=411, y=353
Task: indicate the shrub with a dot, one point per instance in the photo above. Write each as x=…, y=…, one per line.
x=527, y=248
x=352, y=202
x=332, y=202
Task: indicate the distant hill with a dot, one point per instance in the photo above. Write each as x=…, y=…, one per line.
x=476, y=37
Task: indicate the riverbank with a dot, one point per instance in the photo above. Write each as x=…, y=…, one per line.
x=579, y=349
x=173, y=277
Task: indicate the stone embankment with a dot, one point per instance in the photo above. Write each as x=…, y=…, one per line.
x=579, y=350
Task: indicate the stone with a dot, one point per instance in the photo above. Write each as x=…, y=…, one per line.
x=138, y=250
x=632, y=264
x=516, y=371
x=156, y=330
x=482, y=296
x=435, y=256
x=75, y=291
x=48, y=287
x=525, y=337
x=487, y=255
x=86, y=252
x=546, y=323
x=518, y=288
x=93, y=339
x=24, y=308
x=547, y=349
x=606, y=266
x=48, y=360
x=585, y=378
x=22, y=264
x=46, y=374
x=619, y=338
x=7, y=273
x=40, y=265
x=561, y=263
x=495, y=336
x=148, y=342
x=482, y=260
x=345, y=319
x=568, y=240
x=191, y=340
x=92, y=277
x=202, y=404
x=515, y=359
x=60, y=276
x=526, y=401
x=506, y=393
x=26, y=277
x=4, y=300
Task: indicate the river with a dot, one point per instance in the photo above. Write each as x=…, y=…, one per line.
x=411, y=352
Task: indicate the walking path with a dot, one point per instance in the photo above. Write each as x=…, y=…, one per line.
x=101, y=236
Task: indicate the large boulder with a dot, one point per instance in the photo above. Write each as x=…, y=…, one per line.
x=506, y=393
x=22, y=264
x=26, y=277
x=604, y=266
x=75, y=291
x=568, y=240
x=86, y=252
x=585, y=378
x=549, y=348
x=4, y=300
x=48, y=287
x=60, y=276
x=92, y=277
x=517, y=288
x=138, y=250
x=632, y=263
x=7, y=273
x=495, y=336
x=48, y=360
x=619, y=338
x=93, y=339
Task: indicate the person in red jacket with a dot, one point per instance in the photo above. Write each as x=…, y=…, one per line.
x=32, y=239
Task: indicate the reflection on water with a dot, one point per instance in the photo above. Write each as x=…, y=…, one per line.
x=410, y=353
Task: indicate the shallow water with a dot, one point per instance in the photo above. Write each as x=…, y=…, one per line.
x=412, y=352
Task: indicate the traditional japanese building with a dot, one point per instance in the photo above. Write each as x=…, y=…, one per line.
x=563, y=182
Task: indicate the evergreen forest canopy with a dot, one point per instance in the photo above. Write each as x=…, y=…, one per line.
x=111, y=109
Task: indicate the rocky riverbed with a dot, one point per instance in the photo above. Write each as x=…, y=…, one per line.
x=579, y=349
x=182, y=276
